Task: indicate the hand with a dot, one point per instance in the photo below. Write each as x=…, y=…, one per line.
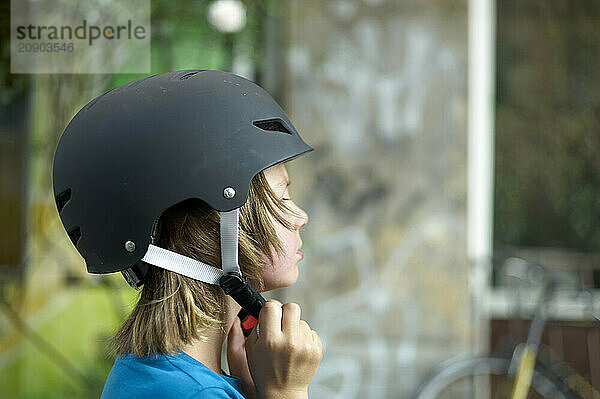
x=236, y=358
x=284, y=358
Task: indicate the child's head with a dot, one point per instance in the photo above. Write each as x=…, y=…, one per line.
x=200, y=149
x=174, y=309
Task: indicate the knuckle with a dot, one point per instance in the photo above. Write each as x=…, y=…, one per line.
x=292, y=347
x=309, y=349
x=309, y=352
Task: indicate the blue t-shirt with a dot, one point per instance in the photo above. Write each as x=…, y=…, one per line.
x=168, y=376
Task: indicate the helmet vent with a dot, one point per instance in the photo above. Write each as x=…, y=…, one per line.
x=75, y=234
x=188, y=75
x=272, y=125
x=62, y=199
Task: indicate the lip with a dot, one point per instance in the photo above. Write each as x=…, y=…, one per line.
x=300, y=253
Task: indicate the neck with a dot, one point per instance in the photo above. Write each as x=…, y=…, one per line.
x=209, y=353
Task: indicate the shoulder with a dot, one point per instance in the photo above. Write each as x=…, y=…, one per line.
x=166, y=376
x=149, y=377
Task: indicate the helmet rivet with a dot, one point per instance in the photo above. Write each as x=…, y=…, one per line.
x=229, y=193
x=130, y=246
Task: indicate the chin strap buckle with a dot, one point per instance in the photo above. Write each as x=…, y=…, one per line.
x=248, y=322
x=243, y=292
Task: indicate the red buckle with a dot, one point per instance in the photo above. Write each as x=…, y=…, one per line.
x=249, y=322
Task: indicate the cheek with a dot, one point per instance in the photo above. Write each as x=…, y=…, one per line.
x=284, y=270
x=289, y=242
x=288, y=239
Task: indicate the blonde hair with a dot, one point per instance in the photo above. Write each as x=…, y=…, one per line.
x=173, y=310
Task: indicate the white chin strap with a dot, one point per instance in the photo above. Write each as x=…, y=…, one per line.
x=169, y=260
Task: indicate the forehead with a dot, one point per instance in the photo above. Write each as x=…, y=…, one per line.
x=276, y=175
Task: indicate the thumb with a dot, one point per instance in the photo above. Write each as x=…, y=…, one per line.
x=236, y=351
x=235, y=338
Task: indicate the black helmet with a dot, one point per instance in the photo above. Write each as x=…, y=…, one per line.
x=144, y=146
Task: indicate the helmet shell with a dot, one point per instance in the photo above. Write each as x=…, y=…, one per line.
x=138, y=149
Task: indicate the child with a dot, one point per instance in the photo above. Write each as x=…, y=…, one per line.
x=170, y=179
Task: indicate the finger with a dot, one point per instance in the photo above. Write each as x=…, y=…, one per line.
x=318, y=344
x=317, y=340
x=304, y=329
x=275, y=301
x=269, y=319
x=290, y=318
x=236, y=351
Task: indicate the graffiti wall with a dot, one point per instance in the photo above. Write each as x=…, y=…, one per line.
x=379, y=90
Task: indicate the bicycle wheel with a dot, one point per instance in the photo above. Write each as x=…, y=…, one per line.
x=487, y=378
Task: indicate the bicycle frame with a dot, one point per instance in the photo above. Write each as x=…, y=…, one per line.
x=524, y=357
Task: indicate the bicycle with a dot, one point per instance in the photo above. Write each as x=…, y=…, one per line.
x=516, y=375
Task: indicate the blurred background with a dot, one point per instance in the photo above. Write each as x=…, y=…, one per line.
x=453, y=139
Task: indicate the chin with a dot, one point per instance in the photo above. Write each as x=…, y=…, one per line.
x=276, y=280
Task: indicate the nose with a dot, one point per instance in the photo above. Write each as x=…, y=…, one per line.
x=301, y=219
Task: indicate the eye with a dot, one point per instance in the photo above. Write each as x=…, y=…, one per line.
x=286, y=199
